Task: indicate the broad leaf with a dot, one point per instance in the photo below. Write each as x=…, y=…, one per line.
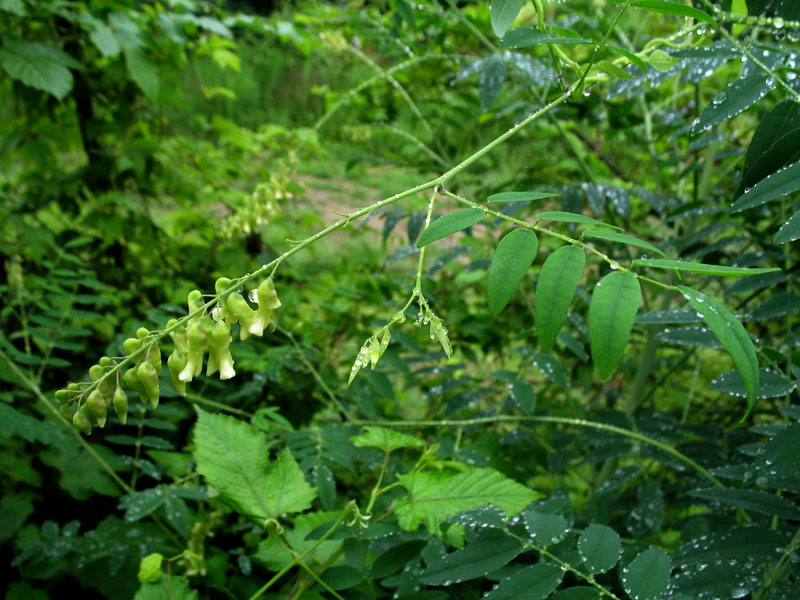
x=568, y=217
x=534, y=582
x=234, y=457
x=695, y=267
x=622, y=238
x=503, y=13
x=434, y=495
x=520, y=196
x=385, y=439
x=754, y=500
x=599, y=547
x=483, y=556
x=647, y=576
x=555, y=289
x=612, y=311
x=450, y=223
x=673, y=8
x=732, y=336
x=737, y=97
x=512, y=259
x=37, y=66
x=169, y=588
x=789, y=231
x=545, y=529
x=785, y=181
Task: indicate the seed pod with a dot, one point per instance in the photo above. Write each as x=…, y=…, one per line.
x=87, y=412
x=154, y=356
x=97, y=404
x=219, y=354
x=148, y=377
x=63, y=396
x=176, y=362
x=67, y=411
x=240, y=309
x=96, y=372
x=197, y=342
x=121, y=404
x=132, y=381
x=74, y=387
x=106, y=361
x=131, y=345
x=142, y=332
x=82, y=422
x=267, y=299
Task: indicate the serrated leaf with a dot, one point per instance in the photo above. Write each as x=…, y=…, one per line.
x=732, y=336
x=534, y=582
x=450, y=223
x=612, y=311
x=492, y=76
x=647, y=576
x=782, y=182
x=737, y=97
x=599, y=547
x=524, y=37
x=622, y=238
x=502, y=14
x=695, y=267
x=387, y=440
x=234, y=457
x=568, y=217
x=545, y=529
x=789, y=231
x=434, y=496
x=35, y=67
x=555, y=289
x=754, y=500
x=520, y=196
x=512, y=259
x=671, y=8
x=483, y=556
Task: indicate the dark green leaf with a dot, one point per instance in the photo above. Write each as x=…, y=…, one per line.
x=520, y=196
x=178, y=514
x=695, y=267
x=771, y=384
x=523, y=37
x=342, y=577
x=577, y=593
x=737, y=97
x=623, y=238
x=600, y=548
x=138, y=505
x=732, y=335
x=534, y=582
x=523, y=395
x=550, y=368
x=647, y=576
x=492, y=76
x=512, y=259
x=690, y=336
x=778, y=305
x=672, y=8
x=555, y=289
x=169, y=588
x=568, y=217
x=545, y=529
x=612, y=311
x=782, y=182
x=396, y=557
x=487, y=554
x=448, y=224
x=503, y=13
x=789, y=231
x=754, y=500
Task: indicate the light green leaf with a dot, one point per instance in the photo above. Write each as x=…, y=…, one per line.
x=37, y=67
x=672, y=8
x=169, y=588
x=483, y=556
x=545, y=529
x=103, y=37
x=622, y=238
x=695, y=267
x=737, y=97
x=435, y=496
x=524, y=37
x=568, y=217
x=555, y=289
x=13, y=6
x=765, y=503
x=612, y=311
x=450, y=223
x=647, y=576
x=789, y=231
x=599, y=547
x=782, y=182
x=732, y=336
x=512, y=259
x=520, y=196
x=385, y=439
x=143, y=71
x=636, y=60
x=234, y=457
x=534, y=582
x=503, y=13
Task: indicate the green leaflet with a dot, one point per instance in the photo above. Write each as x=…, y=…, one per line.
x=599, y=547
x=534, y=582
x=554, y=292
x=520, y=196
x=789, y=231
x=38, y=66
x=234, y=458
x=492, y=76
x=168, y=588
x=503, y=13
x=544, y=528
x=512, y=259
x=758, y=501
x=385, y=439
x=622, y=238
x=647, y=576
x=483, y=556
x=732, y=336
x=672, y=8
x=434, y=495
x=695, y=267
x=612, y=311
x=737, y=97
x=524, y=396
x=568, y=217
x=450, y=223
x=782, y=182
x=523, y=37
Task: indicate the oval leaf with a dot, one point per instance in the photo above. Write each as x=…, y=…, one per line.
x=696, y=267
x=568, y=217
x=534, y=582
x=512, y=259
x=612, y=311
x=737, y=97
x=545, y=529
x=457, y=220
x=476, y=560
x=520, y=196
x=599, y=547
x=732, y=336
x=647, y=576
x=503, y=13
x=554, y=292
x=622, y=238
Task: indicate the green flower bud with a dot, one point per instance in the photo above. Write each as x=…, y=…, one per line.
x=150, y=568
x=121, y=404
x=131, y=345
x=176, y=362
x=267, y=299
x=197, y=342
x=142, y=332
x=97, y=404
x=87, y=412
x=148, y=377
x=63, y=396
x=106, y=361
x=219, y=354
x=222, y=284
x=96, y=372
x=194, y=300
x=240, y=309
x=154, y=356
x=82, y=422
x=178, y=337
x=74, y=387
